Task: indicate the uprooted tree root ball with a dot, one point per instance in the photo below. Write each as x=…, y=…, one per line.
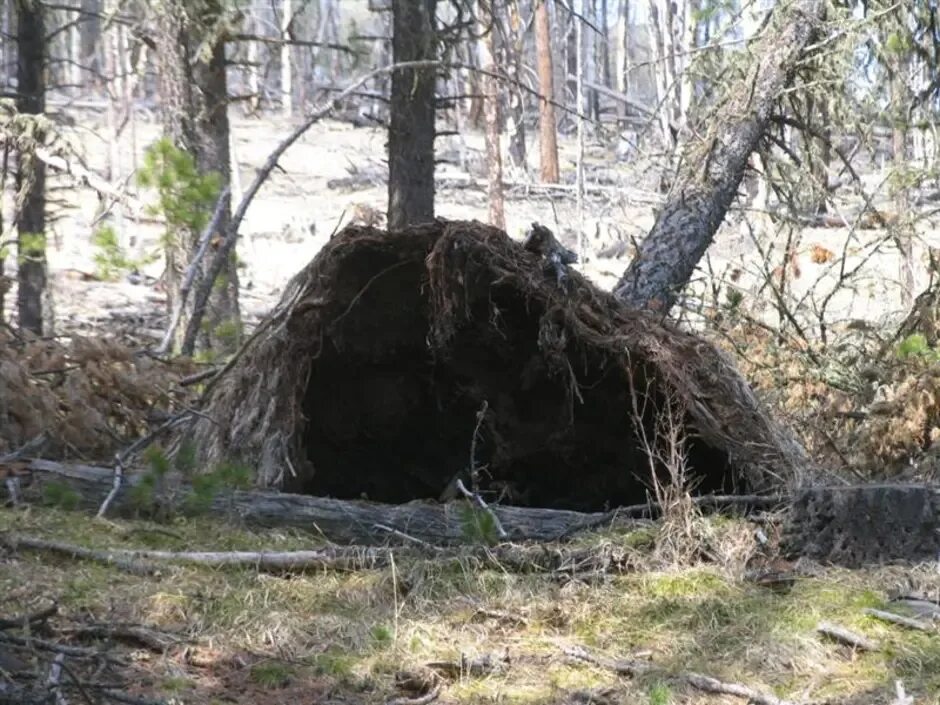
x=369, y=376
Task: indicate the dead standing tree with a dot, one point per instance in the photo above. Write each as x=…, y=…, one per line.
x=712, y=167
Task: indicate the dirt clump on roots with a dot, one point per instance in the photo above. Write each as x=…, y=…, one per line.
x=368, y=378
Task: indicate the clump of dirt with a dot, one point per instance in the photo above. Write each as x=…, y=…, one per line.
x=398, y=360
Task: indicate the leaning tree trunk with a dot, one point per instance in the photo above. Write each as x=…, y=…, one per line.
x=194, y=97
x=715, y=163
x=31, y=172
x=411, y=121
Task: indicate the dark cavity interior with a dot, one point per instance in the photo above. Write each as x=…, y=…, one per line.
x=391, y=420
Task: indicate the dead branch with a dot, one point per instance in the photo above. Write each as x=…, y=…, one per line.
x=29, y=619
x=476, y=667
x=846, y=636
x=908, y=622
x=349, y=558
x=150, y=638
x=622, y=667
x=713, y=685
x=126, y=563
x=632, y=668
x=290, y=41
x=86, y=177
x=428, y=697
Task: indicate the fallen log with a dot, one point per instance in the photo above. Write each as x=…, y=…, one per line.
x=345, y=521
x=363, y=522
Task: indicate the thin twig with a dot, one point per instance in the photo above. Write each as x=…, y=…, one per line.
x=478, y=500
x=474, y=473
x=407, y=537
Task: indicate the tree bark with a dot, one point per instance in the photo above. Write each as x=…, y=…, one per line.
x=31, y=172
x=411, y=123
x=494, y=159
x=515, y=56
x=714, y=165
x=194, y=97
x=548, y=138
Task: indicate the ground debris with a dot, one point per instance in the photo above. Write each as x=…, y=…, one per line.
x=35, y=668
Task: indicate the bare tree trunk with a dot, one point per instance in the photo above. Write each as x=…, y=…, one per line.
x=494, y=160
x=904, y=235
x=579, y=101
x=287, y=91
x=515, y=56
x=31, y=172
x=411, y=123
x=548, y=138
x=660, y=73
x=253, y=70
x=194, y=98
x=715, y=162
x=623, y=53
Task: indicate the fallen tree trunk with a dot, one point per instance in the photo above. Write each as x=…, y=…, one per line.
x=339, y=520
x=361, y=522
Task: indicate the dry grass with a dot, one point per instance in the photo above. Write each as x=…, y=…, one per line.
x=350, y=632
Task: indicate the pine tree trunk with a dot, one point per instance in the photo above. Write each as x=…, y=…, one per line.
x=31, y=173
x=494, y=160
x=515, y=56
x=194, y=99
x=714, y=163
x=411, y=123
x=548, y=138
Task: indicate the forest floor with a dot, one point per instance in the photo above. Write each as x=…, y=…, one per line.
x=219, y=635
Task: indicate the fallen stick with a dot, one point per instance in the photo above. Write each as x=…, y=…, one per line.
x=632, y=668
x=473, y=667
x=712, y=685
x=623, y=667
x=352, y=558
x=908, y=622
x=29, y=619
x=135, y=633
x=428, y=697
x=531, y=558
x=846, y=636
x=112, y=558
